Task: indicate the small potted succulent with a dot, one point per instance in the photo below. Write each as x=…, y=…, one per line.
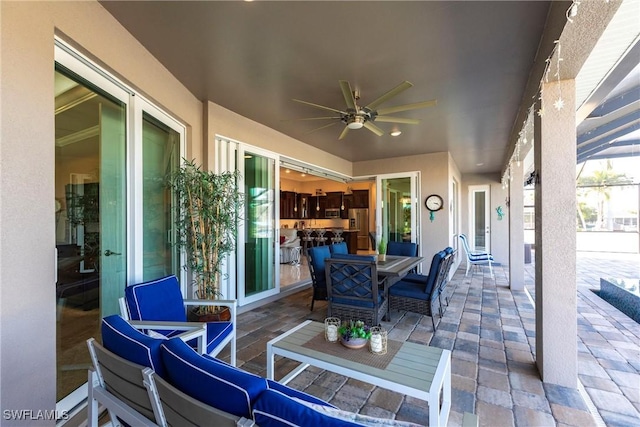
x=354, y=334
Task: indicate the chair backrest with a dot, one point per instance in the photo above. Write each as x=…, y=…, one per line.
x=352, y=281
x=402, y=248
x=316, y=256
x=465, y=245
x=159, y=299
x=123, y=379
x=339, y=248
x=434, y=272
x=372, y=238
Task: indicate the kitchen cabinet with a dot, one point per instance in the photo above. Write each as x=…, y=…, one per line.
x=348, y=204
x=317, y=206
x=287, y=205
x=334, y=199
x=360, y=199
x=304, y=205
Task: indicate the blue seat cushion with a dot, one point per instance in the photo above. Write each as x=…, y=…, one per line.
x=275, y=409
x=209, y=380
x=417, y=278
x=119, y=337
x=159, y=299
x=407, y=289
x=291, y=392
x=216, y=333
x=480, y=257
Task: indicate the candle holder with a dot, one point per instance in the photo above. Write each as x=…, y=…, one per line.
x=331, y=325
x=378, y=340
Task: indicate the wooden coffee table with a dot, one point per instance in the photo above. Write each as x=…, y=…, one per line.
x=416, y=370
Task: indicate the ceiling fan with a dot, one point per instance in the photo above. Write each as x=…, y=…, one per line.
x=356, y=117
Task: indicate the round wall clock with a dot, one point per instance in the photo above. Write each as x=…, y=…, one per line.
x=433, y=203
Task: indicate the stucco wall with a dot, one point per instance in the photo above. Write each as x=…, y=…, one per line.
x=27, y=238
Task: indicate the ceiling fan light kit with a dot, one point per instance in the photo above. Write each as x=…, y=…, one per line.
x=355, y=117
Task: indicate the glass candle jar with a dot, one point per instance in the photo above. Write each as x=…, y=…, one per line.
x=331, y=325
x=378, y=340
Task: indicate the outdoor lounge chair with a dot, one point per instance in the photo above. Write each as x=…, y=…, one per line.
x=353, y=289
x=419, y=296
x=161, y=300
x=475, y=257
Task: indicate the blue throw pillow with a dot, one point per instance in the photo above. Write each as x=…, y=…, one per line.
x=275, y=409
x=119, y=337
x=209, y=380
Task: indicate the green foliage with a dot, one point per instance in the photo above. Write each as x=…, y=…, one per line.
x=208, y=209
x=354, y=329
x=382, y=247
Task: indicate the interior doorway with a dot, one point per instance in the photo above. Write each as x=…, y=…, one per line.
x=479, y=217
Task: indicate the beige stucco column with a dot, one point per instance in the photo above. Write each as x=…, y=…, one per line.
x=555, y=255
x=516, y=228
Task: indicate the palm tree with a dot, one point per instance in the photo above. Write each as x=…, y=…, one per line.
x=600, y=182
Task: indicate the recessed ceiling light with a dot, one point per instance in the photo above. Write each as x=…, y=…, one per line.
x=395, y=133
x=303, y=174
x=479, y=164
x=287, y=171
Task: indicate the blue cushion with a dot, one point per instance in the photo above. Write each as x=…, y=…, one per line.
x=407, y=289
x=159, y=299
x=417, y=278
x=448, y=250
x=402, y=249
x=433, y=271
x=216, y=333
x=275, y=409
x=291, y=392
x=339, y=248
x=318, y=254
x=209, y=380
x=119, y=337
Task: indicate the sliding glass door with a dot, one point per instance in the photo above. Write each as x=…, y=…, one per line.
x=258, y=230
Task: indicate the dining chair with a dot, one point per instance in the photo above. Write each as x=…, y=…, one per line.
x=316, y=256
x=339, y=248
x=475, y=257
x=353, y=291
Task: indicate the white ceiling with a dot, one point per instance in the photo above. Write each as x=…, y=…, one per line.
x=474, y=57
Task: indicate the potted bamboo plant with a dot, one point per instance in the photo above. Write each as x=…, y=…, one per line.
x=382, y=250
x=208, y=210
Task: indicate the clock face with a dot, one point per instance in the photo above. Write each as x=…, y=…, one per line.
x=433, y=203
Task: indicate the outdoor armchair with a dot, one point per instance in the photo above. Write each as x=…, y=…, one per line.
x=316, y=256
x=161, y=300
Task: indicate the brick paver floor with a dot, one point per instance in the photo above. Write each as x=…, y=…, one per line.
x=491, y=332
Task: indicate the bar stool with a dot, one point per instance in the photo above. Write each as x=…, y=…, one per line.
x=307, y=240
x=337, y=235
x=321, y=240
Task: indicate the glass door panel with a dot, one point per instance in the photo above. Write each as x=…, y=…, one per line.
x=90, y=129
x=160, y=158
x=260, y=269
x=396, y=209
x=479, y=215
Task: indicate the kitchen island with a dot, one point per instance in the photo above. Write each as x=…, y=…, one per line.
x=350, y=237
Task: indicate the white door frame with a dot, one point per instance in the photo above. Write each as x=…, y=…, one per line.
x=486, y=190
x=415, y=191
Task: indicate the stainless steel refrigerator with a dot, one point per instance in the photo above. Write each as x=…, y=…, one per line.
x=359, y=219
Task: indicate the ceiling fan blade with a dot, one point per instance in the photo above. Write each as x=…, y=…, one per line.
x=344, y=132
x=314, y=118
x=393, y=92
x=348, y=94
x=407, y=107
x=389, y=119
x=373, y=128
x=319, y=106
x=321, y=127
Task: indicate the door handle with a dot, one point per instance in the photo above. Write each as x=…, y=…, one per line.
x=109, y=252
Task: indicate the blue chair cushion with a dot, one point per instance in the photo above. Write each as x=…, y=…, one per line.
x=433, y=271
x=210, y=380
x=216, y=333
x=291, y=392
x=402, y=249
x=275, y=409
x=318, y=254
x=406, y=289
x=417, y=278
x=159, y=299
x=119, y=337
x=448, y=250
x=339, y=248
